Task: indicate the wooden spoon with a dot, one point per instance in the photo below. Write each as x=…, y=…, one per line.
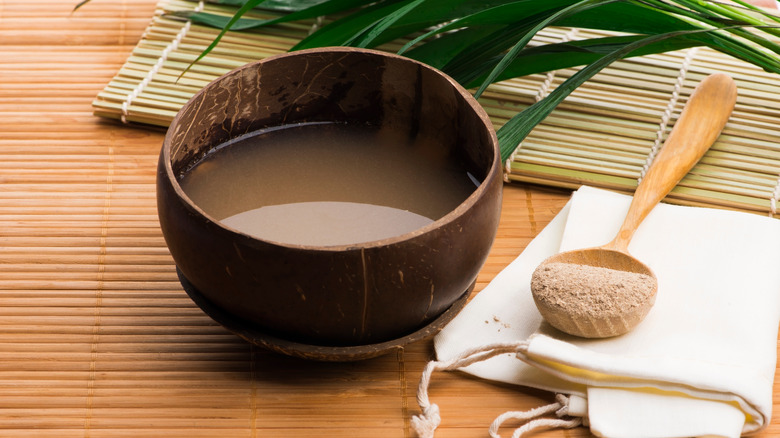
x=565, y=302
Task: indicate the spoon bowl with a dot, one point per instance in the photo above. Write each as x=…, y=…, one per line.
x=604, y=291
x=585, y=306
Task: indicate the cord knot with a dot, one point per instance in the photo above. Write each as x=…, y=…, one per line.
x=562, y=400
x=427, y=422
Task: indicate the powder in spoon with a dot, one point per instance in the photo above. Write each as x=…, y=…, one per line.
x=590, y=291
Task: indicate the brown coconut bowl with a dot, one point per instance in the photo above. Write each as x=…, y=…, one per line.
x=354, y=300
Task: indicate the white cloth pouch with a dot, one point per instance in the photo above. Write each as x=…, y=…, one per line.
x=702, y=363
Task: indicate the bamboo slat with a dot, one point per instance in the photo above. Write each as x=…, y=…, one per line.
x=97, y=337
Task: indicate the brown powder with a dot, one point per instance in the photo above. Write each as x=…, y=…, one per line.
x=590, y=291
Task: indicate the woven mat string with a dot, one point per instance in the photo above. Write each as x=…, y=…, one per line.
x=172, y=46
x=667, y=114
x=774, y=198
x=430, y=418
x=541, y=93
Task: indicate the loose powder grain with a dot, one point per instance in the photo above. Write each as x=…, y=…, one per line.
x=591, y=291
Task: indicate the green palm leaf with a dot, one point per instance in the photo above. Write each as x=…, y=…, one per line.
x=514, y=131
x=519, y=45
x=249, y=5
x=299, y=10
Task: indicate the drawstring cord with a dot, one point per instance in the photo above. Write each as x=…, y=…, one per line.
x=426, y=423
x=560, y=408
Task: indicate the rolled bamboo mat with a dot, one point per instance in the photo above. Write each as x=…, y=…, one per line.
x=602, y=135
x=97, y=337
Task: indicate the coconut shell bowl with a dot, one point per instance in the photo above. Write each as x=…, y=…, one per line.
x=335, y=302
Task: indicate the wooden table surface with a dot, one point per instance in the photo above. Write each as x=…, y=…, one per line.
x=97, y=337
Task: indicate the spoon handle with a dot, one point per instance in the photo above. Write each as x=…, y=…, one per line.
x=707, y=111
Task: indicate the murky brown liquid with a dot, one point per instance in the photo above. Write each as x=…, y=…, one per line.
x=327, y=184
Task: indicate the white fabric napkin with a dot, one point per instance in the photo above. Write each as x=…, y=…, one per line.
x=702, y=363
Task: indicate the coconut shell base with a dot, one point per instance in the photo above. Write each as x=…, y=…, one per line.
x=256, y=336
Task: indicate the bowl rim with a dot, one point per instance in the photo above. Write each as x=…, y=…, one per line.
x=452, y=215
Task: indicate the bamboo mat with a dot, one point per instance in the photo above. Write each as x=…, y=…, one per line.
x=602, y=135
x=97, y=337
